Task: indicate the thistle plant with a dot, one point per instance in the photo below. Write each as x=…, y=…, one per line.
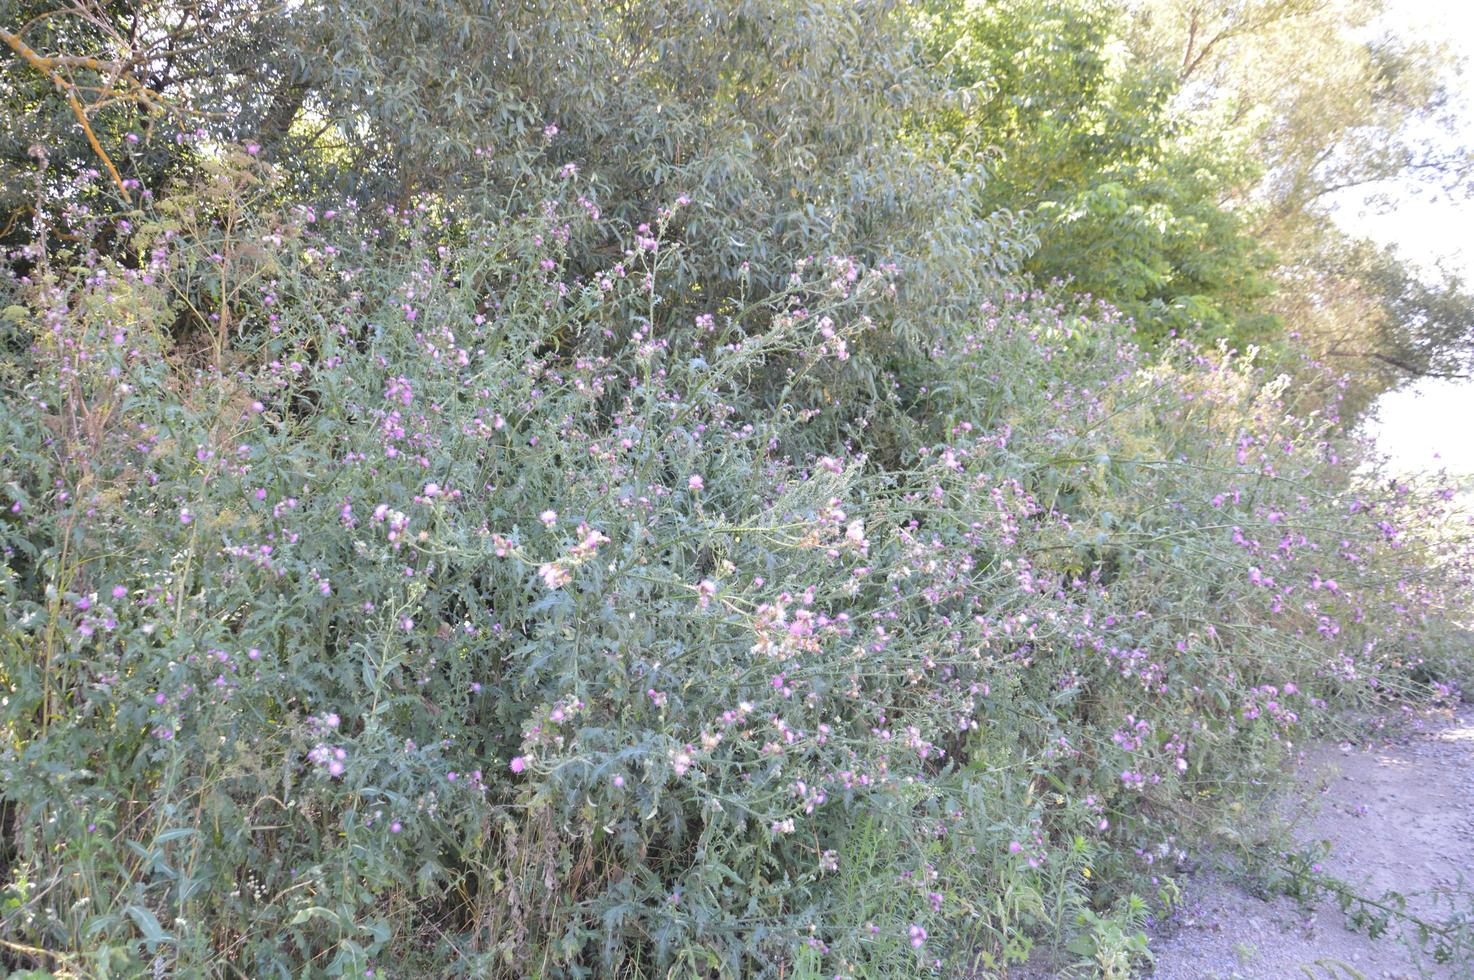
x=384, y=596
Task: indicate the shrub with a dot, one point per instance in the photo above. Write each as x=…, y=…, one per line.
x=382, y=596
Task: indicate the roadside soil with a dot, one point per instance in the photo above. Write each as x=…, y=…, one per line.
x=1398, y=814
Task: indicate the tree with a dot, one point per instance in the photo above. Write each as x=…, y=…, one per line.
x=1366, y=312
x=1129, y=201
x=110, y=85
x=777, y=121
x=1329, y=99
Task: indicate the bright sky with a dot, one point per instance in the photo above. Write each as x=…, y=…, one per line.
x=1429, y=425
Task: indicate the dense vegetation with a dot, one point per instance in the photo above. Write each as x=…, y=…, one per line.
x=684, y=489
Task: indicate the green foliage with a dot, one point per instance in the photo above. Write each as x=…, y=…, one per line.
x=1172, y=159
x=1366, y=312
x=1332, y=101
x=1440, y=933
x=429, y=608
x=1129, y=203
x=777, y=120
x=579, y=491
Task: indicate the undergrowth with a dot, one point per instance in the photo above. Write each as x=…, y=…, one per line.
x=383, y=596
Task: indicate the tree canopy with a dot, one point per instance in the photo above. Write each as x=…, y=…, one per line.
x=1170, y=156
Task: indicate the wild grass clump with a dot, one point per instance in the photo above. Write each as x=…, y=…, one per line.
x=383, y=597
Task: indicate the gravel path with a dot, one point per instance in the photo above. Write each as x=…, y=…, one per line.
x=1399, y=816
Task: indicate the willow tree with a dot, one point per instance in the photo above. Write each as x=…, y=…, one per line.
x=778, y=121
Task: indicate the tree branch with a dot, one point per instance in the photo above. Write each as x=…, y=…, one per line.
x=1404, y=366
x=46, y=66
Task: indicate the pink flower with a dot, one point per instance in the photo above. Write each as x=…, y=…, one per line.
x=518, y=764
x=589, y=545
x=695, y=482
x=554, y=576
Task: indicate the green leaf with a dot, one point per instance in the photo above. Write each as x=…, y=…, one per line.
x=148, y=924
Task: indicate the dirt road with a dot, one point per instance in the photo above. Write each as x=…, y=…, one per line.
x=1399, y=816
